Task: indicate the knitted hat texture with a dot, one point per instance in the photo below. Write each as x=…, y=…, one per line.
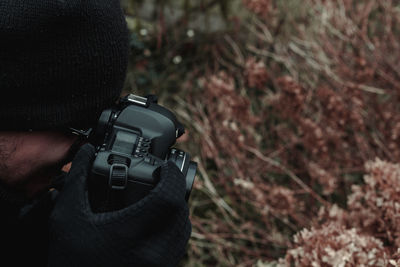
x=61, y=61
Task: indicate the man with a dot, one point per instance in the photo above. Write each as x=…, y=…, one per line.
x=62, y=63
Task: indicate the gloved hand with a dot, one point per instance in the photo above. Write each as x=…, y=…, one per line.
x=152, y=232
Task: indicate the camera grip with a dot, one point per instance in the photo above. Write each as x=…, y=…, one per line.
x=117, y=184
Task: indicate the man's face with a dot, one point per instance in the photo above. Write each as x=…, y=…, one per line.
x=29, y=160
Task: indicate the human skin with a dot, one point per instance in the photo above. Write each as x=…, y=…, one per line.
x=29, y=160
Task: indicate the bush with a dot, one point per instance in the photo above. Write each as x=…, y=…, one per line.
x=284, y=102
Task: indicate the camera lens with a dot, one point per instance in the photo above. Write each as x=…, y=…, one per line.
x=187, y=167
x=191, y=174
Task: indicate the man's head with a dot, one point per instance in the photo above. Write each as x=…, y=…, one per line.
x=61, y=61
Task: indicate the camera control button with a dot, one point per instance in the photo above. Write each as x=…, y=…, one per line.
x=149, y=160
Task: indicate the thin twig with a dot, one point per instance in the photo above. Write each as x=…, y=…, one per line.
x=295, y=178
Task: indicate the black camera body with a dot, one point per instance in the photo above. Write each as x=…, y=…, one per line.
x=133, y=140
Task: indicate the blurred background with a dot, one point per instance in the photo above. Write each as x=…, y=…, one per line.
x=292, y=112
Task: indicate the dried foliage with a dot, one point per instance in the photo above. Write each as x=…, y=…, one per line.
x=333, y=245
x=355, y=237
x=285, y=111
x=259, y=7
x=375, y=206
x=256, y=74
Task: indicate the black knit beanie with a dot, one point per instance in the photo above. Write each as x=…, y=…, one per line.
x=61, y=61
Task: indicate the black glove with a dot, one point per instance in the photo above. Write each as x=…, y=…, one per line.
x=24, y=227
x=152, y=232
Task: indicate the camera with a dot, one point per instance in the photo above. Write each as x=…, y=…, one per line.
x=133, y=140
